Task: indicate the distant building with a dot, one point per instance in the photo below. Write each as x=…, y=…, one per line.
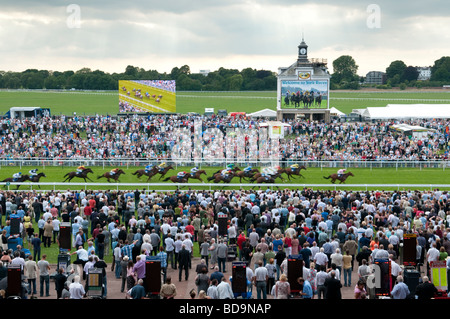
x=424, y=73
x=204, y=72
x=375, y=77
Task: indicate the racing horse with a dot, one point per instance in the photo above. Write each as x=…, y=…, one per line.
x=342, y=178
x=296, y=99
x=177, y=179
x=109, y=176
x=36, y=178
x=21, y=179
x=198, y=174
x=234, y=169
x=265, y=179
x=218, y=177
x=142, y=172
x=318, y=100
x=246, y=174
x=308, y=99
x=292, y=172
x=163, y=171
x=84, y=175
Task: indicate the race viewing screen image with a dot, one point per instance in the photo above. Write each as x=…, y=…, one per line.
x=155, y=96
x=304, y=94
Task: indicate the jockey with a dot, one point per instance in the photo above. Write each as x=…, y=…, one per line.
x=18, y=175
x=269, y=171
x=181, y=175
x=148, y=168
x=225, y=172
x=33, y=172
x=162, y=165
x=194, y=170
x=230, y=166
x=248, y=169
x=113, y=171
x=80, y=169
x=341, y=172
x=294, y=167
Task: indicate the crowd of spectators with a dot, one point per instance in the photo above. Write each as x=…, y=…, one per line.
x=335, y=232
x=165, y=137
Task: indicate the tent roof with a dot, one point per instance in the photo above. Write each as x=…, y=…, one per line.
x=407, y=127
x=398, y=111
x=334, y=110
x=264, y=113
x=274, y=123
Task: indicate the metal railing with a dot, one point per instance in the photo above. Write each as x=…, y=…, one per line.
x=55, y=186
x=220, y=162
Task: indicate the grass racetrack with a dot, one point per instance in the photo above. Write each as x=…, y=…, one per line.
x=107, y=102
x=362, y=176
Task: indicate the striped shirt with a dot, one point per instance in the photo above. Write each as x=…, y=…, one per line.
x=163, y=256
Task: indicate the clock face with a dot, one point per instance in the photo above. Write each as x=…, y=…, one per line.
x=303, y=51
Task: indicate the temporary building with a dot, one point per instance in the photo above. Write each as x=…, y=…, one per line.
x=335, y=112
x=264, y=113
x=408, y=111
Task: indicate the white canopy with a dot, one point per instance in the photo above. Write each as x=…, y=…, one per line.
x=407, y=111
x=264, y=113
x=335, y=111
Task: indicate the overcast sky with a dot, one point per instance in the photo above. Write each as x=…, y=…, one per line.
x=207, y=34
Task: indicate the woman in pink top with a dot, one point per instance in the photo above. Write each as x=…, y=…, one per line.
x=295, y=243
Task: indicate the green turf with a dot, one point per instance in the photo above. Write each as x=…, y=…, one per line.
x=363, y=176
x=89, y=103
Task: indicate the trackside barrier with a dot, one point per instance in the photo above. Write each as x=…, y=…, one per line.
x=221, y=162
x=47, y=186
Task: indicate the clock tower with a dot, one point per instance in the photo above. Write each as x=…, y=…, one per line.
x=303, y=51
x=309, y=80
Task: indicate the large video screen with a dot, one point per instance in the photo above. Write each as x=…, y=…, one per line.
x=304, y=94
x=154, y=96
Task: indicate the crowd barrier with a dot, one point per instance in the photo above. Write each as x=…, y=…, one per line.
x=58, y=186
x=220, y=162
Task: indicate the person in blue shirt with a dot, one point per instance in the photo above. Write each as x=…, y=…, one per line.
x=20, y=213
x=163, y=257
x=138, y=290
x=400, y=290
x=306, y=292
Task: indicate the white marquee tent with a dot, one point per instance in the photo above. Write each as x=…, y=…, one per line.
x=408, y=111
x=264, y=113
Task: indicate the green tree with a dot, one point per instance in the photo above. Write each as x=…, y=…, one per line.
x=234, y=82
x=394, y=71
x=440, y=71
x=345, y=68
x=409, y=74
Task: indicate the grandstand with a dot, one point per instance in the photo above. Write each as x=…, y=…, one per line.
x=146, y=98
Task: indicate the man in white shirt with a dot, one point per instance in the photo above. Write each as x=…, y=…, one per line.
x=224, y=290
x=260, y=279
x=395, y=270
x=320, y=259
x=187, y=242
x=76, y=289
x=170, y=249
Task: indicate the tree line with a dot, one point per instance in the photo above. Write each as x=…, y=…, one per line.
x=85, y=79
x=344, y=76
x=398, y=74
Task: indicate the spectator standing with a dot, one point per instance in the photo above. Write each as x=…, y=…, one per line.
x=44, y=276
x=260, y=279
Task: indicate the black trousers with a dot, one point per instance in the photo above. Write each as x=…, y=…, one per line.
x=184, y=266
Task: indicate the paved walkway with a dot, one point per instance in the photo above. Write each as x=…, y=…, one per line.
x=183, y=287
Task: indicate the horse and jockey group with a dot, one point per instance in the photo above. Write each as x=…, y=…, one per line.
x=267, y=174
x=18, y=176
